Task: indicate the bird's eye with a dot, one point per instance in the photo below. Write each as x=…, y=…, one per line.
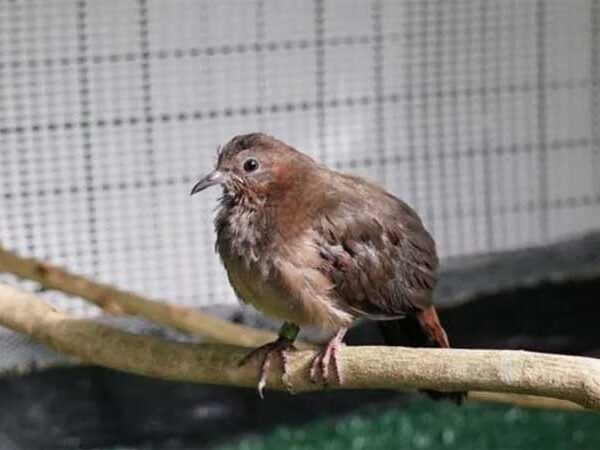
x=250, y=165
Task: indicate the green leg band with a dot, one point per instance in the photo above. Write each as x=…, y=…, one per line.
x=289, y=331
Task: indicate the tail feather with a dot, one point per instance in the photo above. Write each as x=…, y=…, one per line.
x=420, y=330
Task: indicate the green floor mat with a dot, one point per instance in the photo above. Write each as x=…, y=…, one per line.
x=421, y=424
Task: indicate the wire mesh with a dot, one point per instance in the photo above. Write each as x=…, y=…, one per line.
x=482, y=115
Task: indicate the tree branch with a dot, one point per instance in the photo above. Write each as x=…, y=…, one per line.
x=570, y=378
x=525, y=401
x=113, y=300
x=191, y=321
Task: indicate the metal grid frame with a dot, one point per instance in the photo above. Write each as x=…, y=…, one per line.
x=429, y=75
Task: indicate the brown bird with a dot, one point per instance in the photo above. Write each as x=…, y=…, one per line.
x=312, y=246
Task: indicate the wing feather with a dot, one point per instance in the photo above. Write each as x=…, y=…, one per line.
x=377, y=253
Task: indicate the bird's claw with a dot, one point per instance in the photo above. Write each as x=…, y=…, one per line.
x=279, y=348
x=327, y=362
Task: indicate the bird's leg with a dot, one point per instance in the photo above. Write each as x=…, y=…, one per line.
x=327, y=360
x=284, y=343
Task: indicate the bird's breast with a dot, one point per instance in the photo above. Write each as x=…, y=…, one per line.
x=279, y=277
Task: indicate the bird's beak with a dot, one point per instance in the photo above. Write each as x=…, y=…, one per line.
x=215, y=177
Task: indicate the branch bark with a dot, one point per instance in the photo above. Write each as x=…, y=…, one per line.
x=114, y=300
x=525, y=401
x=575, y=379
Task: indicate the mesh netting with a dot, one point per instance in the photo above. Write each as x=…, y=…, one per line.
x=482, y=115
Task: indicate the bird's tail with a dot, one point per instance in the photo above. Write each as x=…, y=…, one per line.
x=420, y=330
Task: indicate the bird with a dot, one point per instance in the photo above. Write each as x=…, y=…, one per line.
x=312, y=246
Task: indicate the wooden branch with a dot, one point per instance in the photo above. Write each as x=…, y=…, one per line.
x=525, y=401
x=114, y=300
x=191, y=321
x=575, y=379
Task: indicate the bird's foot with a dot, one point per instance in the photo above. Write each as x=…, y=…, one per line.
x=327, y=361
x=264, y=353
x=278, y=348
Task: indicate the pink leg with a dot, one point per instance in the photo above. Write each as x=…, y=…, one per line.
x=327, y=360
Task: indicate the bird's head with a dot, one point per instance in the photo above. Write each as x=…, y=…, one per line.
x=254, y=165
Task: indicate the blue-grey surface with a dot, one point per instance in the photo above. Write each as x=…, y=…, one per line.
x=465, y=279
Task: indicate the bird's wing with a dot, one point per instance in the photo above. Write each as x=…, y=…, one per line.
x=377, y=253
